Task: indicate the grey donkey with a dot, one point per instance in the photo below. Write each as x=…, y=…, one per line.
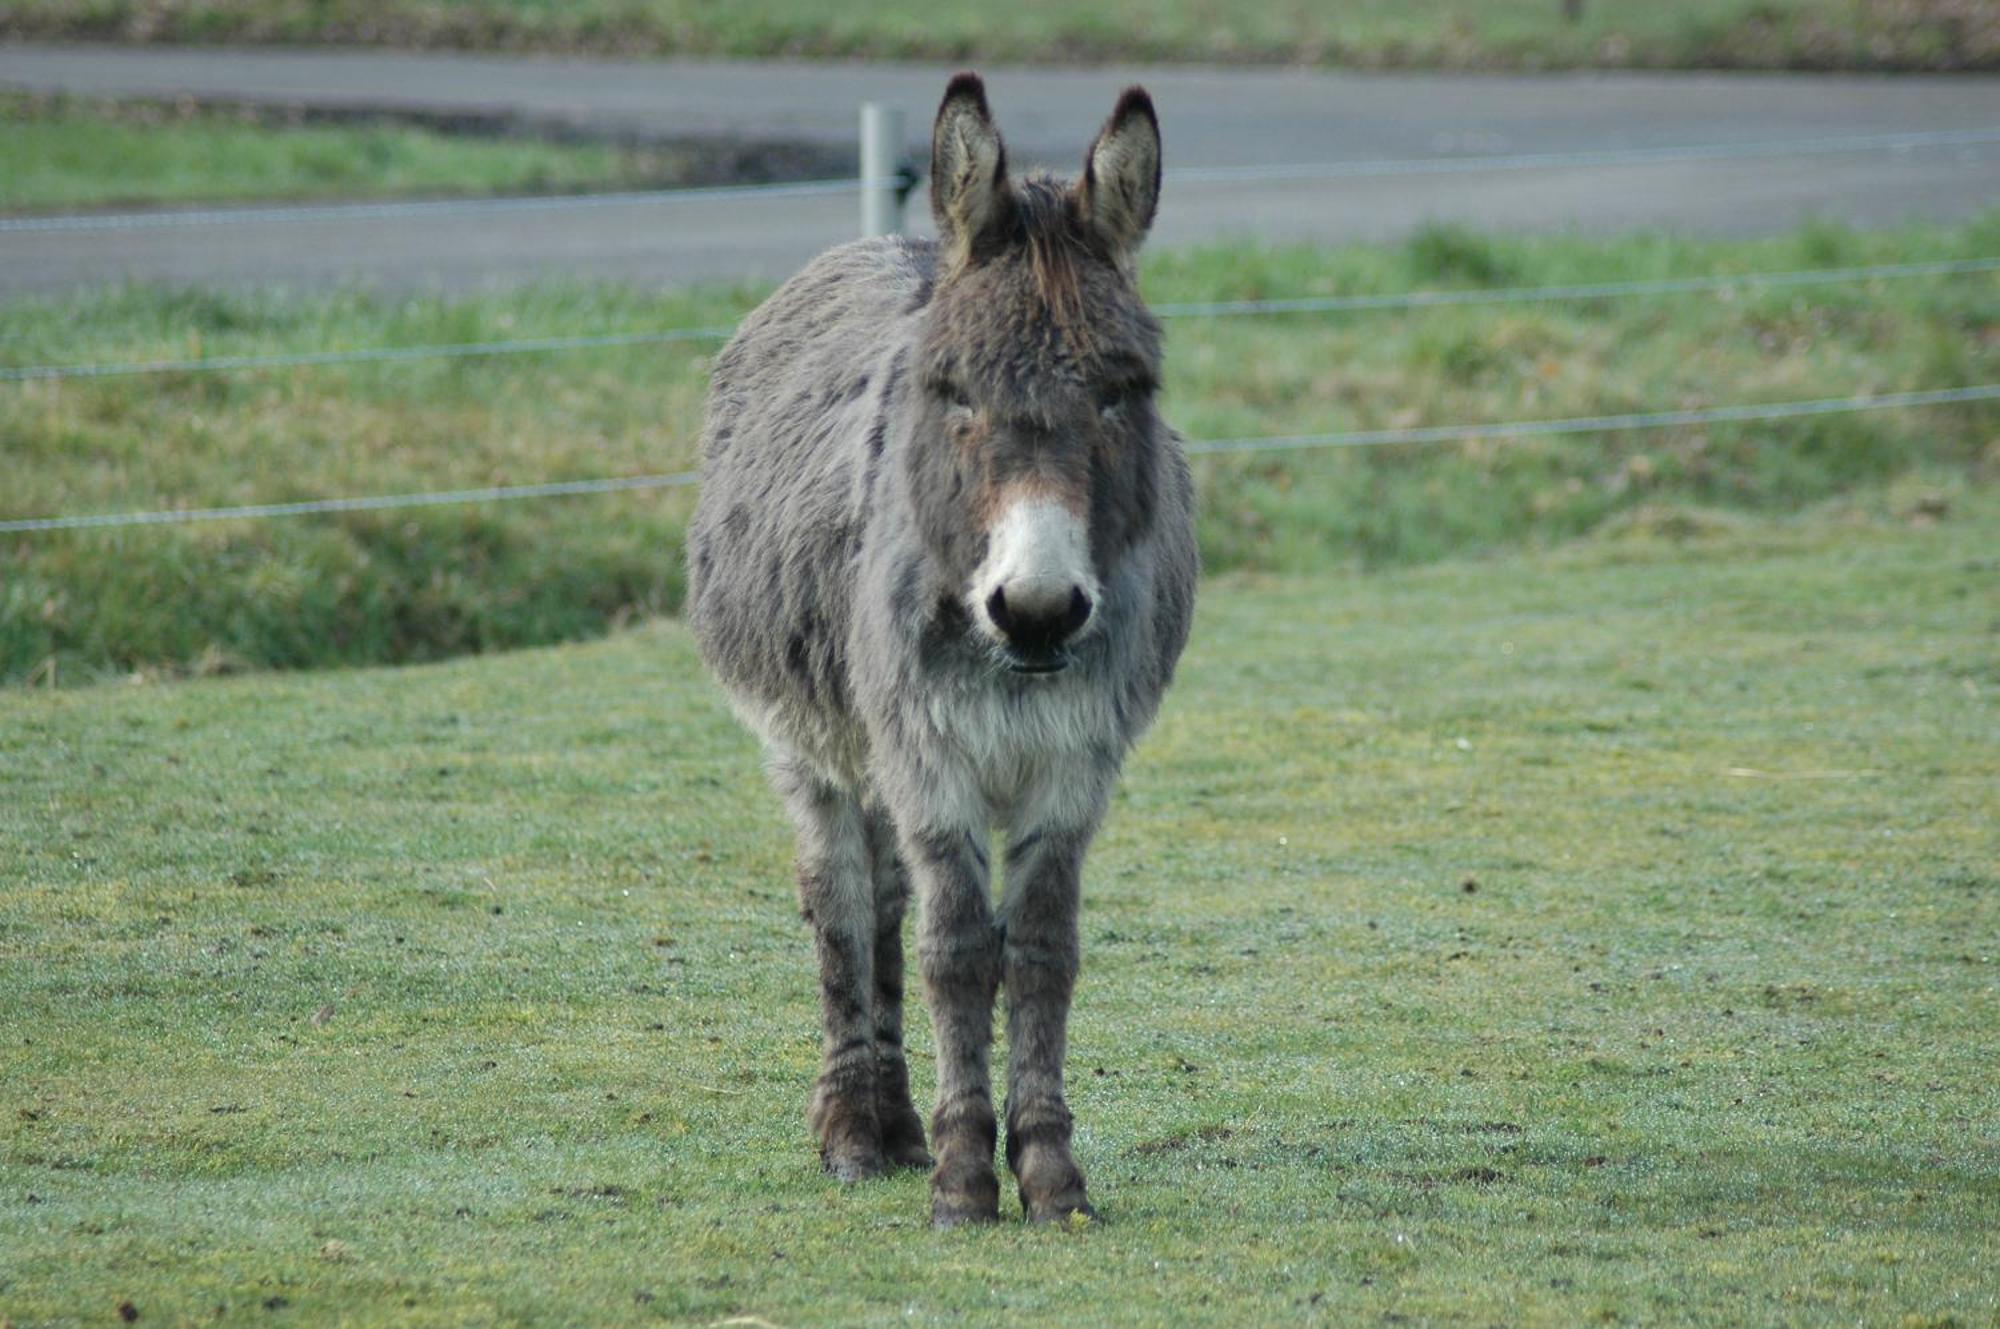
x=943, y=563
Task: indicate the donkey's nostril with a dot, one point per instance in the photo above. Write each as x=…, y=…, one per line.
x=1038, y=618
x=996, y=608
x=1079, y=611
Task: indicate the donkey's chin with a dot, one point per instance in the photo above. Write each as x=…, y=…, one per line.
x=1041, y=664
x=1053, y=663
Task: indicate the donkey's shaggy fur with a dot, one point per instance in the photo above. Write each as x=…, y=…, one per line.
x=943, y=563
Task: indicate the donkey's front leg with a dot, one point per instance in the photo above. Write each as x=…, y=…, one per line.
x=1039, y=922
x=837, y=896
x=958, y=951
x=902, y=1128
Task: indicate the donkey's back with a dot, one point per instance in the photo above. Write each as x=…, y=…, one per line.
x=799, y=405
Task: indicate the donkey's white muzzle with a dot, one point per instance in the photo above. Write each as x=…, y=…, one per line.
x=1035, y=595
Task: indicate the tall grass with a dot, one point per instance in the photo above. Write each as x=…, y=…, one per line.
x=59, y=153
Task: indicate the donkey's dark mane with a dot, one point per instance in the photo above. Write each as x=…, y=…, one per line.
x=1046, y=223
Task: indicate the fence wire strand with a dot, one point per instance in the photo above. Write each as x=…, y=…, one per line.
x=1205, y=447
x=1907, y=141
x=1314, y=304
x=374, y=503
x=1595, y=424
x=362, y=355
x=1578, y=291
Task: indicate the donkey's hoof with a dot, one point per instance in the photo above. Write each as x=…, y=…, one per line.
x=849, y=1134
x=1052, y=1187
x=957, y=1213
x=964, y=1195
x=911, y=1154
x=850, y=1165
x=1071, y=1210
x=848, y=1171
x=903, y=1143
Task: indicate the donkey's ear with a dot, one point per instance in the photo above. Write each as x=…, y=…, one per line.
x=969, y=190
x=1121, y=175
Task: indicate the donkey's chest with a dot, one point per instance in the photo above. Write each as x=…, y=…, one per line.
x=1009, y=740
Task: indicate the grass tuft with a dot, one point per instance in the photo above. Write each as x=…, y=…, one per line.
x=1446, y=254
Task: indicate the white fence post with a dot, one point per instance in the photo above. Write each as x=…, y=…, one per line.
x=881, y=162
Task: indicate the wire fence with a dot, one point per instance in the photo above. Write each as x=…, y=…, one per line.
x=1745, y=149
x=1604, y=424
x=1426, y=434
x=363, y=355
x=1405, y=300
x=1314, y=304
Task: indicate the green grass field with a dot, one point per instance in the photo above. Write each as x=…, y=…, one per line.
x=70, y=154
x=1605, y=935
x=414, y=585
x=1454, y=34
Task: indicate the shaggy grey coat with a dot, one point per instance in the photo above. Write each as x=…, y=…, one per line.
x=870, y=428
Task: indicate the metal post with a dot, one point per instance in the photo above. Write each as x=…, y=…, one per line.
x=881, y=152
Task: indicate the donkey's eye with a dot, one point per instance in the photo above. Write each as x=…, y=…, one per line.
x=1111, y=402
x=954, y=396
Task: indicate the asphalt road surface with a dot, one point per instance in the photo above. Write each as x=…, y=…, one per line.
x=1378, y=154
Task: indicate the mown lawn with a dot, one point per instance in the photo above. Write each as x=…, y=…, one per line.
x=1452, y=34
x=1605, y=935
x=424, y=584
x=61, y=153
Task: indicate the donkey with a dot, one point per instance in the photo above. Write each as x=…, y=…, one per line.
x=943, y=562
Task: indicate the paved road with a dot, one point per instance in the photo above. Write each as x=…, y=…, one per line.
x=1214, y=120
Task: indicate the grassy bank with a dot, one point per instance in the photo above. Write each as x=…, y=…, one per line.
x=424, y=584
x=61, y=153
x=1602, y=936
x=1449, y=34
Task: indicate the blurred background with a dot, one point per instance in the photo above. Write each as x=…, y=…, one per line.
x=1440, y=278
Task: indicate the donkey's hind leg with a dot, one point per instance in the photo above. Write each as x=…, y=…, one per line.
x=837, y=897
x=902, y=1128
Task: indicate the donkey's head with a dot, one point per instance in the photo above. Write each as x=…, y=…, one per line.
x=1036, y=448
